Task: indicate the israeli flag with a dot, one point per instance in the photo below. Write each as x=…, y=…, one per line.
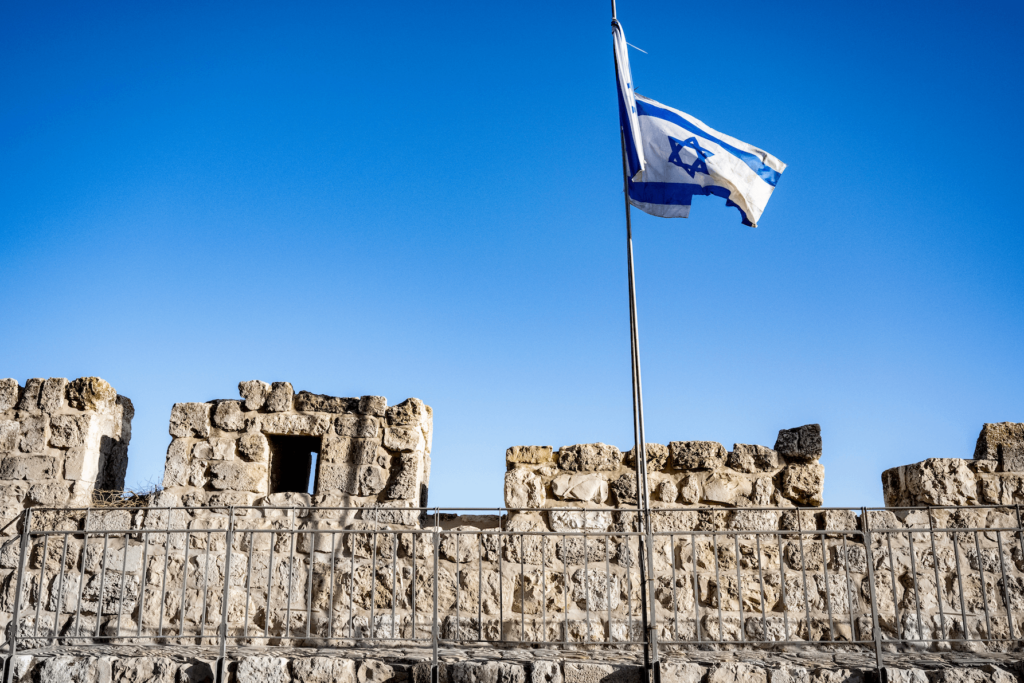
x=628, y=119
x=682, y=157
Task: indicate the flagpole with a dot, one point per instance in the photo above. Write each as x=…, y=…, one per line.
x=652, y=664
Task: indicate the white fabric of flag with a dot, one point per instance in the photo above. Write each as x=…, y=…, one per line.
x=684, y=157
x=628, y=119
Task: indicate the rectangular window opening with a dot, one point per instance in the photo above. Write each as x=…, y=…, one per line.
x=292, y=462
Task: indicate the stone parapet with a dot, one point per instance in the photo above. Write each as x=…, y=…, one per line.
x=687, y=473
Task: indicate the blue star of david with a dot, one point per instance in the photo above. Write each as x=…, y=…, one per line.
x=699, y=164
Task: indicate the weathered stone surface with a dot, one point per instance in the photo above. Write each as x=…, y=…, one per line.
x=523, y=489
x=575, y=520
x=789, y=674
x=239, y=476
x=8, y=394
x=997, y=437
x=190, y=419
x=223, y=449
x=590, y=457
x=29, y=401
x=280, y=398
x=936, y=481
x=33, y=434
x=374, y=671
x=373, y=405
x=320, y=403
x=666, y=492
x=262, y=669
x=584, y=672
x=31, y=467
x=543, y=671
x=625, y=489
x=529, y=455
x=894, y=675
x=589, y=488
x=228, y=415
x=323, y=670
x=90, y=393
x=657, y=457
x=804, y=483
x=51, y=397
x=746, y=458
x=406, y=482
x=254, y=447
x=697, y=455
x=361, y=426
x=411, y=411
x=737, y=672
x=802, y=444
x=10, y=430
x=725, y=488
x=49, y=494
x=254, y=392
x=69, y=431
x=315, y=425
x=404, y=439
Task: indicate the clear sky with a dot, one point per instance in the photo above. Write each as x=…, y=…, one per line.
x=425, y=199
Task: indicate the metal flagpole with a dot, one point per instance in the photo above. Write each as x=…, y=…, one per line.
x=652, y=664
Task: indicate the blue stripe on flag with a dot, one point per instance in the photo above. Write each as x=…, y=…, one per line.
x=632, y=158
x=765, y=172
x=680, y=194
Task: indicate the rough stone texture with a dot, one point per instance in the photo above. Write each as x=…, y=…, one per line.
x=190, y=419
x=90, y=394
x=802, y=444
x=936, y=481
x=8, y=394
x=803, y=484
x=1004, y=442
x=280, y=398
x=744, y=458
x=697, y=455
x=254, y=392
x=530, y=455
x=590, y=457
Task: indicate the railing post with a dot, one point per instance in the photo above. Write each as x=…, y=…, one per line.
x=435, y=629
x=13, y=644
x=876, y=632
x=222, y=662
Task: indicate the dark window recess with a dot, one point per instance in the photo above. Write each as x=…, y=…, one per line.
x=292, y=461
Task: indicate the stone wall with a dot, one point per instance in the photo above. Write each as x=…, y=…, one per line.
x=60, y=441
x=686, y=473
x=994, y=477
x=239, y=451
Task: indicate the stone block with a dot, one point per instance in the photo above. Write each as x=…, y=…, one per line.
x=33, y=434
x=222, y=449
x=29, y=467
x=373, y=405
x=254, y=447
x=936, y=481
x=589, y=488
x=804, y=483
x=375, y=671
x=357, y=425
x=10, y=430
x=228, y=415
x=90, y=393
x=239, y=476
x=262, y=669
x=411, y=411
x=51, y=398
x=625, y=489
x=697, y=455
x=319, y=403
x=190, y=419
x=801, y=444
x=589, y=457
x=750, y=458
x=49, y=494
x=405, y=485
x=585, y=672
x=312, y=425
x=404, y=439
x=685, y=672
x=737, y=672
x=69, y=431
x=523, y=489
x=29, y=401
x=529, y=455
x=254, y=393
x=894, y=675
x=666, y=492
x=657, y=457
x=8, y=394
x=994, y=436
x=323, y=670
x=545, y=671
x=577, y=520
x=726, y=488
x=280, y=397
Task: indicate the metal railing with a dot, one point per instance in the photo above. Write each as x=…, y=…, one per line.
x=925, y=578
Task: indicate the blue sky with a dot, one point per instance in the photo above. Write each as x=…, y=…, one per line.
x=416, y=199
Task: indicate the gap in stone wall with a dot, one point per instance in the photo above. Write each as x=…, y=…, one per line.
x=291, y=462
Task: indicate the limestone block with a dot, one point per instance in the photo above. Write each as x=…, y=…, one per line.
x=657, y=457
x=802, y=444
x=726, y=488
x=411, y=411
x=10, y=430
x=239, y=476
x=573, y=549
x=254, y=447
x=341, y=449
x=997, y=437
x=356, y=425
x=315, y=425
x=8, y=393
x=72, y=669
x=589, y=488
x=697, y=455
x=49, y=494
x=29, y=401
x=69, y=431
x=51, y=397
x=405, y=485
x=320, y=403
x=254, y=392
x=323, y=670
x=584, y=672
x=529, y=455
x=30, y=467
x=625, y=489
x=737, y=672
x=575, y=520
x=893, y=675
x=280, y=397
x=373, y=405
x=590, y=457
x=684, y=672
x=667, y=492
x=228, y=415
x=262, y=669
x=336, y=477
x=222, y=449
x=544, y=671
x=936, y=481
x=523, y=489
x=804, y=484
x=90, y=393
x=790, y=674
x=404, y=439
x=690, y=492
x=190, y=419
x=746, y=458
x=33, y=434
